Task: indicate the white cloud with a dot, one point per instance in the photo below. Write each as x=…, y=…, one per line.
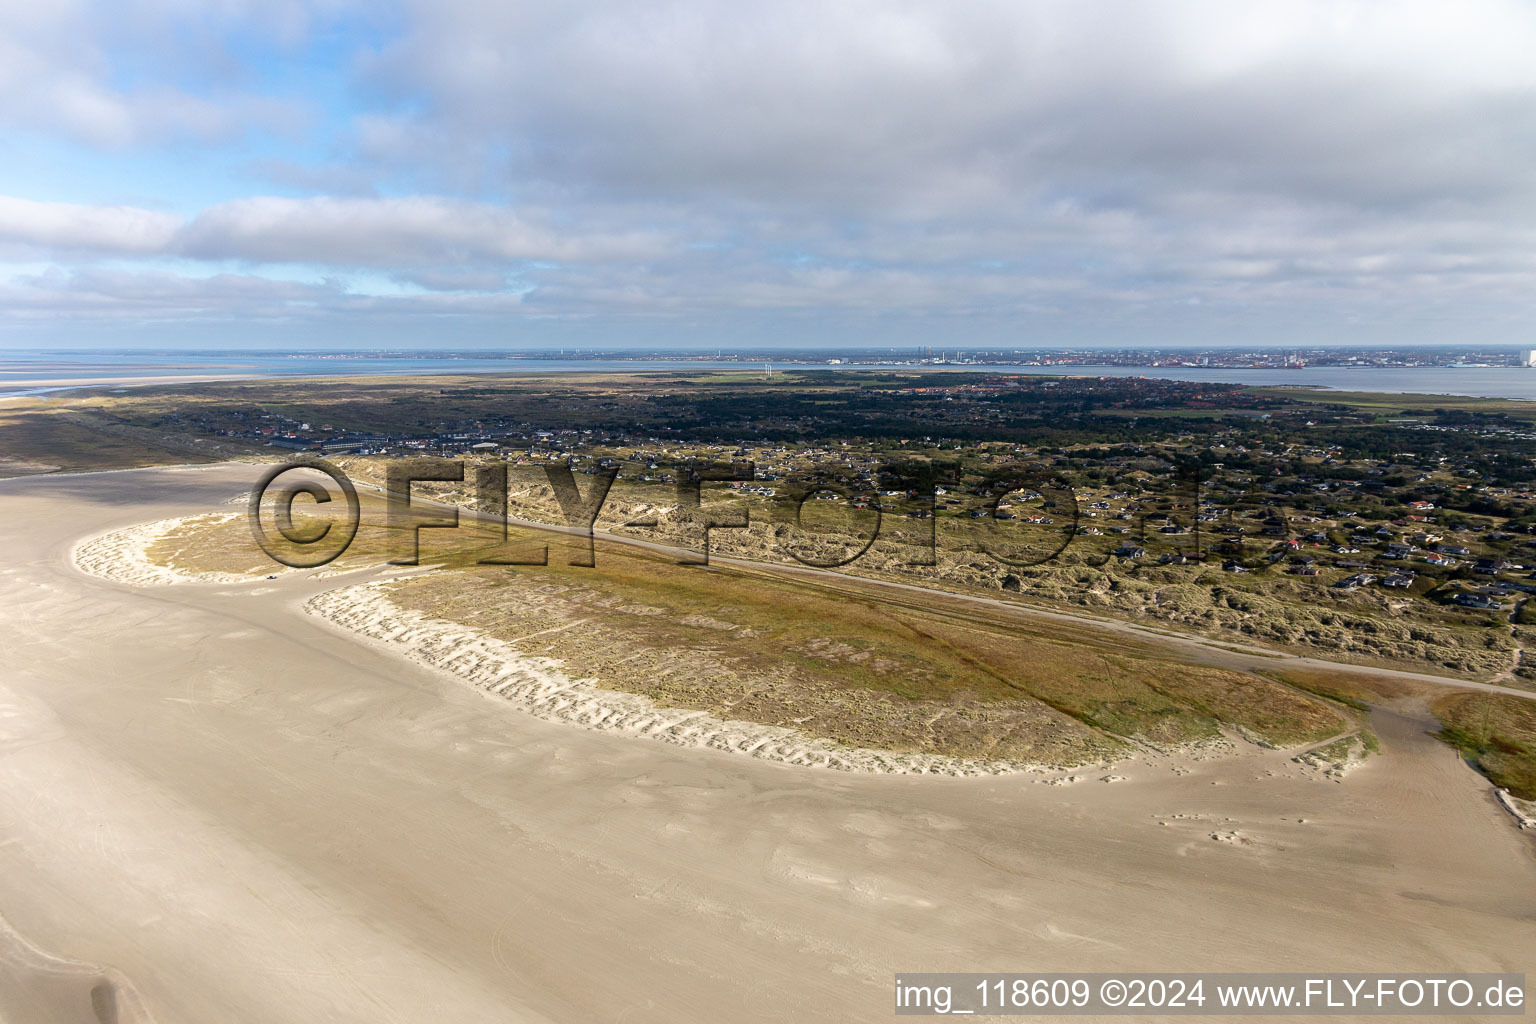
x=123, y=73
x=71, y=226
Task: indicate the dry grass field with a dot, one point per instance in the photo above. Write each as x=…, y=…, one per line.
x=832, y=658
x=1497, y=734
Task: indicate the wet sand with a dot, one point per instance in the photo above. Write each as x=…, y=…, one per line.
x=246, y=815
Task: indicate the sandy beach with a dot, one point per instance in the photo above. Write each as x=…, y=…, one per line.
x=230, y=808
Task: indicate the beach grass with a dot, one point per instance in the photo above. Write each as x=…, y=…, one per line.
x=1496, y=734
x=835, y=657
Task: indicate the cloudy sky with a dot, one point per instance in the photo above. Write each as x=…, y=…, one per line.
x=465, y=173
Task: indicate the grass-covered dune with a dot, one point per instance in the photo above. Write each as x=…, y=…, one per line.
x=834, y=658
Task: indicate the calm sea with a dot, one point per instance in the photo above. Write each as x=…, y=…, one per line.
x=22, y=373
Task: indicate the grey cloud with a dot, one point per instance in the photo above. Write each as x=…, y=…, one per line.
x=893, y=107
x=1106, y=164
x=111, y=294
x=456, y=281
x=392, y=232
x=420, y=231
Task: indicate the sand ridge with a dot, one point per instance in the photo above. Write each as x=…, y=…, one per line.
x=1523, y=811
x=540, y=686
x=122, y=556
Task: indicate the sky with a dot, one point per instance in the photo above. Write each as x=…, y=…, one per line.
x=282, y=174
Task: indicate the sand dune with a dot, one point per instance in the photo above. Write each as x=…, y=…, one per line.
x=122, y=555
x=537, y=685
x=541, y=687
x=1523, y=811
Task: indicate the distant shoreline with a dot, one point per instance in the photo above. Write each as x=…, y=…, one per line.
x=1494, y=382
x=33, y=388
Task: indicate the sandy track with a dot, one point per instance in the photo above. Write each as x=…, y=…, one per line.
x=252, y=816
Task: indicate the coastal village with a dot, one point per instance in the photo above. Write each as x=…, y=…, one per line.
x=1257, y=488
